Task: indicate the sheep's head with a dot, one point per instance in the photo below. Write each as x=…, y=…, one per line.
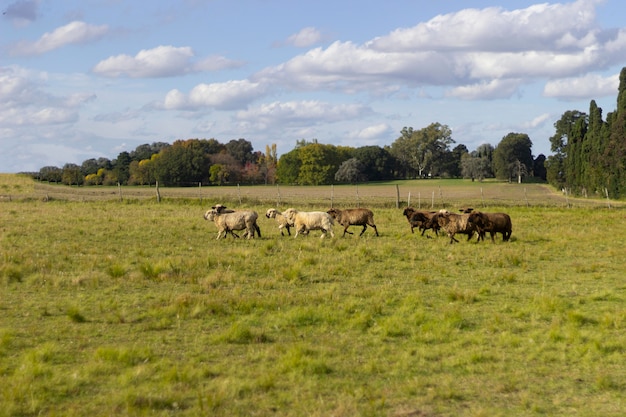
x=408, y=211
x=219, y=208
x=270, y=213
x=210, y=214
x=333, y=213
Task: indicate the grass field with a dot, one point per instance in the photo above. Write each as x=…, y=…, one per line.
x=134, y=308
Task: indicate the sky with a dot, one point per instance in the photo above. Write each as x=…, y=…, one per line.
x=83, y=79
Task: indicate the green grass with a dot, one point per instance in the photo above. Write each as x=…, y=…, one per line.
x=134, y=308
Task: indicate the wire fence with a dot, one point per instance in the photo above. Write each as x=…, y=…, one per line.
x=425, y=194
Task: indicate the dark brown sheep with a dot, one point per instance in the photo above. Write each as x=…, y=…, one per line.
x=454, y=223
x=353, y=217
x=419, y=219
x=492, y=223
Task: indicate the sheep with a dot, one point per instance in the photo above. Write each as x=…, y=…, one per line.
x=227, y=221
x=353, y=217
x=304, y=221
x=419, y=219
x=492, y=223
x=454, y=223
x=282, y=221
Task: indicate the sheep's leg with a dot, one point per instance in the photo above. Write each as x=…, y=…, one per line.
x=345, y=230
x=452, y=238
x=288, y=231
x=375, y=229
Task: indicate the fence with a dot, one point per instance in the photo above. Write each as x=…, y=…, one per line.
x=426, y=194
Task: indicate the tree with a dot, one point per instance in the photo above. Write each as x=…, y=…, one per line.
x=351, y=171
x=71, y=175
x=539, y=167
x=241, y=150
x=421, y=151
x=317, y=167
x=50, y=174
x=145, y=151
x=121, y=167
x=475, y=166
x=218, y=174
x=288, y=167
x=378, y=163
x=513, y=152
x=183, y=163
x=559, y=166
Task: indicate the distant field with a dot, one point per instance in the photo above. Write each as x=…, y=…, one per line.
x=134, y=308
x=422, y=193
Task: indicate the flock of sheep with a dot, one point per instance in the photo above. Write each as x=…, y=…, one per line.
x=470, y=222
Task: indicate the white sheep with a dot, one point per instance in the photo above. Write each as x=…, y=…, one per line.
x=227, y=221
x=304, y=221
x=282, y=221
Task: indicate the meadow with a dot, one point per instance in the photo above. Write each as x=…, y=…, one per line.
x=131, y=307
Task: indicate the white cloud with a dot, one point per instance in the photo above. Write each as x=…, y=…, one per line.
x=487, y=90
x=372, y=132
x=538, y=27
x=305, y=38
x=538, y=121
x=71, y=34
x=589, y=86
x=223, y=96
x=162, y=61
x=301, y=112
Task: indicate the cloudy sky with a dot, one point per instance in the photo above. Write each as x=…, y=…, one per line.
x=84, y=79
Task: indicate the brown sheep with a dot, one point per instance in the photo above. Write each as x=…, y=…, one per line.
x=492, y=223
x=419, y=219
x=454, y=223
x=353, y=217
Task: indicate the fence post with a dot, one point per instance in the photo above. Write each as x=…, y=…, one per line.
x=278, y=194
x=606, y=192
x=158, y=193
x=239, y=193
x=332, y=194
x=397, y=196
x=408, y=200
x=119, y=189
x=358, y=202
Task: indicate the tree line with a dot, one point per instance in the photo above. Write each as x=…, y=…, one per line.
x=589, y=152
x=423, y=153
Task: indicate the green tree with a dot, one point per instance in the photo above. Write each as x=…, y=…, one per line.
x=378, y=163
x=183, y=163
x=351, y=171
x=475, y=166
x=50, y=174
x=218, y=174
x=121, y=167
x=317, y=167
x=421, y=151
x=72, y=175
x=560, y=165
x=513, y=156
x=241, y=150
x=288, y=168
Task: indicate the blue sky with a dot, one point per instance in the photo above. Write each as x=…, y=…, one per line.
x=92, y=78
